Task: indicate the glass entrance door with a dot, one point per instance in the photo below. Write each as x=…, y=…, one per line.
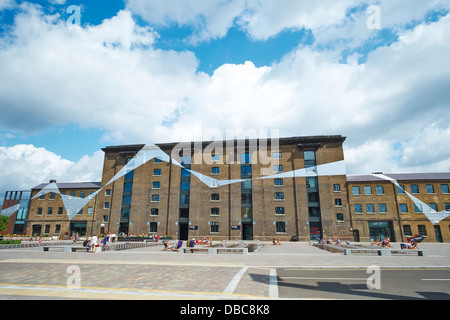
x=380, y=230
x=247, y=231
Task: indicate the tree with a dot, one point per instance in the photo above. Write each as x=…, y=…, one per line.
x=4, y=222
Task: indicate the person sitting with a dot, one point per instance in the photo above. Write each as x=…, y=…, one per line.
x=166, y=246
x=192, y=244
x=178, y=246
x=276, y=242
x=386, y=242
x=338, y=242
x=376, y=243
x=412, y=245
x=87, y=244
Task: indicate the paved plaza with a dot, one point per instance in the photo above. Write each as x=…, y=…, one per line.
x=151, y=273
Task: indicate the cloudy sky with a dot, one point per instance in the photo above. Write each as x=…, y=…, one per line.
x=143, y=71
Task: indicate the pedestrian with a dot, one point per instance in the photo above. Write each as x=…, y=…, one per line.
x=94, y=242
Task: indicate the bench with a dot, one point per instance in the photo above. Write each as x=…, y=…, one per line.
x=214, y=250
x=66, y=248
x=384, y=252
x=47, y=248
x=74, y=249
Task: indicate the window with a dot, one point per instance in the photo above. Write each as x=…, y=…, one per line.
x=401, y=190
x=42, y=197
x=313, y=196
x=311, y=183
x=57, y=229
x=382, y=208
x=314, y=212
x=379, y=190
x=246, y=185
x=414, y=188
x=156, y=172
x=105, y=219
x=246, y=198
x=52, y=195
x=72, y=194
x=447, y=207
x=355, y=190
x=246, y=171
x=278, y=182
x=422, y=230
x=358, y=208
x=279, y=210
x=106, y=206
x=278, y=168
x=276, y=155
x=126, y=200
x=158, y=159
x=90, y=210
x=338, y=202
x=39, y=211
x=279, y=196
x=407, y=230
x=336, y=187
x=310, y=158
x=215, y=197
x=215, y=170
x=340, y=217
x=370, y=208
x=215, y=157
x=185, y=173
x=418, y=208
x=153, y=227
x=281, y=227
x=80, y=212
x=156, y=185
x=444, y=188
x=245, y=158
x=403, y=208
x=108, y=192
x=128, y=187
x=429, y=188
x=184, y=198
x=49, y=211
x=60, y=210
x=47, y=229
x=155, y=197
x=185, y=186
x=154, y=212
x=82, y=194
x=215, y=211
x=367, y=190
x=214, y=227
x=433, y=206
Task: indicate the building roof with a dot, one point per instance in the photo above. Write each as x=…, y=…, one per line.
x=401, y=177
x=282, y=141
x=72, y=185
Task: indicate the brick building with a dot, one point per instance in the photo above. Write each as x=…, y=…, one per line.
x=17, y=203
x=162, y=198
x=48, y=214
x=244, y=189
x=378, y=207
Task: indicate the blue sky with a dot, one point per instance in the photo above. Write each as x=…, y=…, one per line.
x=148, y=71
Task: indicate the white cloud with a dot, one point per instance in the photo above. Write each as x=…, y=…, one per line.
x=59, y=2
x=110, y=76
x=7, y=4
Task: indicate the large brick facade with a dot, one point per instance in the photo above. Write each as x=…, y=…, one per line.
x=268, y=197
